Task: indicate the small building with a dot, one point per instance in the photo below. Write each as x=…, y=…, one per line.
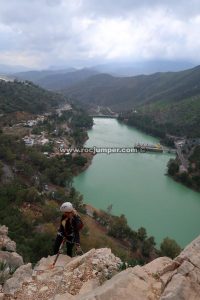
x=28, y=141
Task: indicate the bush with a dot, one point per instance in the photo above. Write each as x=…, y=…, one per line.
x=170, y=248
x=172, y=167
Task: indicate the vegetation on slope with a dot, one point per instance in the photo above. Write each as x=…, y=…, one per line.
x=128, y=92
x=25, y=96
x=178, y=119
x=57, y=80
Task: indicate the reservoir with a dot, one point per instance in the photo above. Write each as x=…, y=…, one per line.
x=136, y=185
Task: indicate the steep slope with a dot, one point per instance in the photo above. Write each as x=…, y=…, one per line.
x=19, y=96
x=86, y=278
x=59, y=82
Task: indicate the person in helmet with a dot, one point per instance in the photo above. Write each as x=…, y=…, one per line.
x=68, y=229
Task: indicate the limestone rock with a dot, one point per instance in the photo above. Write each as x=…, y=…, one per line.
x=65, y=296
x=5, y=242
x=191, y=253
x=131, y=284
x=3, y=230
x=12, y=258
x=185, y=268
x=89, y=286
x=85, y=278
x=22, y=274
x=160, y=266
x=180, y=288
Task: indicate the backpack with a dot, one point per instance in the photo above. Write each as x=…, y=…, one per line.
x=79, y=223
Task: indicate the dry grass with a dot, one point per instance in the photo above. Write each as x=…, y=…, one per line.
x=16, y=131
x=97, y=238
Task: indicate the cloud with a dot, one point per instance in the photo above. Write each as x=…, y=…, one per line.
x=53, y=32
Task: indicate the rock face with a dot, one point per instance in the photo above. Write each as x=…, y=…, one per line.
x=11, y=258
x=8, y=250
x=185, y=284
x=5, y=242
x=69, y=278
x=96, y=276
x=22, y=275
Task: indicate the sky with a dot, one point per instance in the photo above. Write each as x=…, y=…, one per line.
x=43, y=33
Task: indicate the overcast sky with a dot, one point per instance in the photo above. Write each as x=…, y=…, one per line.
x=41, y=33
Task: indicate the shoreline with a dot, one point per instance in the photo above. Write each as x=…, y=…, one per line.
x=156, y=136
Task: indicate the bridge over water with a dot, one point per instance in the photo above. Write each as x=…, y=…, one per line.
x=114, y=116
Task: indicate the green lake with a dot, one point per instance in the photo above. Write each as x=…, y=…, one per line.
x=136, y=185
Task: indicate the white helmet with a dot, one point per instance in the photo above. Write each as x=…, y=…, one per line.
x=66, y=207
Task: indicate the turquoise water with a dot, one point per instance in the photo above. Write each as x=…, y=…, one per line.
x=137, y=186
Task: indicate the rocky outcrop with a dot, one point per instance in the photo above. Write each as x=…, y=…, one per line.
x=5, y=242
x=12, y=259
x=69, y=278
x=96, y=275
x=8, y=253
x=22, y=275
x=185, y=282
x=9, y=259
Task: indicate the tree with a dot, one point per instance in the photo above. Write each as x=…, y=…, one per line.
x=119, y=227
x=80, y=160
x=76, y=199
x=142, y=234
x=170, y=248
x=172, y=167
x=32, y=195
x=134, y=241
x=148, y=246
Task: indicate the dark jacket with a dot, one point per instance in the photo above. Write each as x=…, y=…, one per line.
x=69, y=229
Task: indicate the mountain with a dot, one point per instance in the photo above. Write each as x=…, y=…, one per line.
x=123, y=93
x=164, y=102
x=36, y=76
x=57, y=80
x=146, y=67
x=23, y=96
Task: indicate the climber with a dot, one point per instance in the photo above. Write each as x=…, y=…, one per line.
x=70, y=226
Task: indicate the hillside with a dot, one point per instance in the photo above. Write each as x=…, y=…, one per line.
x=35, y=76
x=164, y=102
x=57, y=80
x=128, y=92
x=25, y=96
x=181, y=118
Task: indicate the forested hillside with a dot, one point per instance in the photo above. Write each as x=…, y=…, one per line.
x=25, y=96
x=128, y=92
x=56, y=80
x=160, y=103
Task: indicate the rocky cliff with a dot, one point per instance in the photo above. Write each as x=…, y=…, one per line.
x=97, y=275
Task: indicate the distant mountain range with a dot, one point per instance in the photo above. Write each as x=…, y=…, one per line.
x=124, y=69
x=168, y=101
x=56, y=80
x=172, y=97
x=123, y=93
x=53, y=79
